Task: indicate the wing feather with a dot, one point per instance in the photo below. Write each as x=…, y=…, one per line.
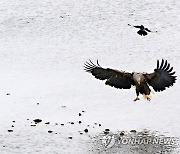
x=157, y=64
x=162, y=76
x=167, y=67
x=147, y=29
x=137, y=26
x=114, y=78
x=162, y=63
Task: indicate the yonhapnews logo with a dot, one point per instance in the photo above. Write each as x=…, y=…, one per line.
x=111, y=140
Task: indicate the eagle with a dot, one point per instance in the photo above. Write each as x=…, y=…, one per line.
x=163, y=77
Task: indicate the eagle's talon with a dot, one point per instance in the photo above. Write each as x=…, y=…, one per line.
x=136, y=99
x=148, y=99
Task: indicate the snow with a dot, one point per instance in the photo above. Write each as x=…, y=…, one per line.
x=43, y=47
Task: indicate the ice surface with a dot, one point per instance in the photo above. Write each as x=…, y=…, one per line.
x=43, y=47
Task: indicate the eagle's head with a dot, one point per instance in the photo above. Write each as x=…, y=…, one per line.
x=138, y=77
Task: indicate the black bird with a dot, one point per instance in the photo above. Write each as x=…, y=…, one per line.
x=142, y=30
x=162, y=78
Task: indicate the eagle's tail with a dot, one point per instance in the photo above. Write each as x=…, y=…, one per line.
x=148, y=97
x=146, y=91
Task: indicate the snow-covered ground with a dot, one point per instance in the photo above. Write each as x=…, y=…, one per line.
x=43, y=47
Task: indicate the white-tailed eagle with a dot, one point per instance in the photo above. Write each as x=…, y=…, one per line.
x=162, y=78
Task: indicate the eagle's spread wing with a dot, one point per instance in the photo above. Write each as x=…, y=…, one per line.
x=162, y=76
x=113, y=78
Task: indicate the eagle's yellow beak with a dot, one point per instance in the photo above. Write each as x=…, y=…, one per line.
x=139, y=82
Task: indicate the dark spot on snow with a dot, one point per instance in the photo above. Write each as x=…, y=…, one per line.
x=145, y=132
x=95, y=123
x=27, y=119
x=121, y=133
x=12, y=126
x=83, y=111
x=80, y=133
x=86, y=130
x=80, y=114
x=10, y=130
x=8, y=94
x=50, y=131
x=63, y=106
x=99, y=125
x=72, y=123
x=56, y=124
x=79, y=122
x=47, y=123
x=4, y=146
x=133, y=131
x=70, y=137
x=37, y=103
x=107, y=130
x=62, y=124
x=14, y=121
x=33, y=125
x=88, y=125
x=37, y=120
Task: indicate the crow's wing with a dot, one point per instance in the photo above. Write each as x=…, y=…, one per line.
x=114, y=78
x=162, y=76
x=138, y=26
x=147, y=29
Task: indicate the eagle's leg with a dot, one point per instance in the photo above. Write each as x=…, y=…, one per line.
x=137, y=93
